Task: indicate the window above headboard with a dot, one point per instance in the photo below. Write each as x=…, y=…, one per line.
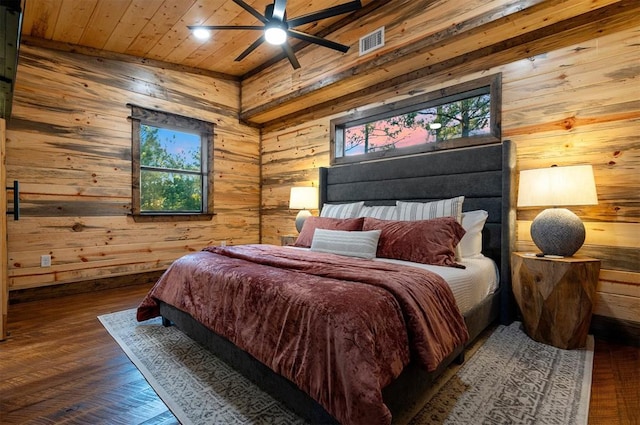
x=466, y=114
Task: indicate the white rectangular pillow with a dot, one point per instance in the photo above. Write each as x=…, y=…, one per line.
x=350, y=210
x=470, y=245
x=411, y=211
x=342, y=242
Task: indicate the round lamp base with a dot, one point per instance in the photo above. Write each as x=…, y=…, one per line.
x=558, y=231
x=300, y=219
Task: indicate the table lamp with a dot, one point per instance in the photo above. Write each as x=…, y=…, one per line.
x=557, y=231
x=303, y=199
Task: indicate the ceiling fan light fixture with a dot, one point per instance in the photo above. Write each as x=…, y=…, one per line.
x=276, y=27
x=275, y=35
x=201, y=33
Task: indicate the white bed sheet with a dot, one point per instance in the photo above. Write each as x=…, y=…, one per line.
x=470, y=285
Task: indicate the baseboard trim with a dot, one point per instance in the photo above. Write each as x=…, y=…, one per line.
x=620, y=331
x=54, y=291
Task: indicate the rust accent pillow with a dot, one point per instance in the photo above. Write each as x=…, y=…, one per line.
x=423, y=241
x=312, y=223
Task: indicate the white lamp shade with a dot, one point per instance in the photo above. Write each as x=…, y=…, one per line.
x=557, y=186
x=303, y=198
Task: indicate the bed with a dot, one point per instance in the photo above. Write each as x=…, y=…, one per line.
x=484, y=176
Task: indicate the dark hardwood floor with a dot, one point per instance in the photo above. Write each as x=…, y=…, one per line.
x=615, y=387
x=60, y=366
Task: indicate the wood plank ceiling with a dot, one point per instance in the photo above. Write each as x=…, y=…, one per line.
x=157, y=29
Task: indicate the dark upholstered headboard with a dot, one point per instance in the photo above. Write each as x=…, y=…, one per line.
x=483, y=174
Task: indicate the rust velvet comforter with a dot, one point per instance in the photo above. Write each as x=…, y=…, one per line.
x=340, y=328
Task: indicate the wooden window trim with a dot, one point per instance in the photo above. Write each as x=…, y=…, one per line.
x=494, y=82
x=144, y=116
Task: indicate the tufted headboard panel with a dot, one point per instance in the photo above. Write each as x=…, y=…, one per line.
x=483, y=174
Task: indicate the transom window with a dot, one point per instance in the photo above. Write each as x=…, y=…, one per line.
x=466, y=114
x=171, y=165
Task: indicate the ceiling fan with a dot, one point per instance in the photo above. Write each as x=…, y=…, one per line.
x=277, y=28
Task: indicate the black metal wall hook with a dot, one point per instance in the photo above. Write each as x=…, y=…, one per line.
x=16, y=200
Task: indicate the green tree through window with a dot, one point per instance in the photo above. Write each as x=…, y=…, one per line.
x=170, y=170
x=171, y=166
x=462, y=118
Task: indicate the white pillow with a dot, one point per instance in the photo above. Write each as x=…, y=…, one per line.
x=381, y=212
x=411, y=211
x=470, y=245
x=352, y=244
x=350, y=210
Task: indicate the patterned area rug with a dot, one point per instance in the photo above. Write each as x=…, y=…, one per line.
x=509, y=379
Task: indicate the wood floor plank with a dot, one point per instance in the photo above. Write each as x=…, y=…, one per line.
x=615, y=388
x=60, y=366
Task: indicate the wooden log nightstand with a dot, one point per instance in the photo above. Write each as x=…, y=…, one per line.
x=555, y=297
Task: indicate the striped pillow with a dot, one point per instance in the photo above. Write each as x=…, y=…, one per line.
x=412, y=211
x=352, y=244
x=381, y=212
x=312, y=223
x=341, y=210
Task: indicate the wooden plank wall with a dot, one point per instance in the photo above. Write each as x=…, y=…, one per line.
x=572, y=105
x=69, y=145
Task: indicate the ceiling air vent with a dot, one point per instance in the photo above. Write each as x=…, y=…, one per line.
x=372, y=41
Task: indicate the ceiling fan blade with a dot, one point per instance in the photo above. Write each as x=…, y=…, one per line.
x=251, y=10
x=325, y=13
x=224, y=27
x=292, y=57
x=279, y=8
x=318, y=40
x=250, y=49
